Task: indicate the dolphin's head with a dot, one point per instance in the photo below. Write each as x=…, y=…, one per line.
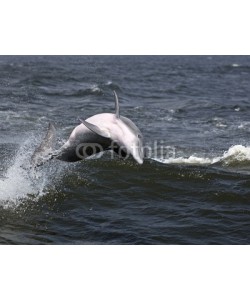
x=123, y=133
x=130, y=139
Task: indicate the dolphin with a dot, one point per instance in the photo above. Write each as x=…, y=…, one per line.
x=101, y=132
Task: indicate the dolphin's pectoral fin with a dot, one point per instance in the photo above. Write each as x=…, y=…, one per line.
x=44, y=151
x=96, y=129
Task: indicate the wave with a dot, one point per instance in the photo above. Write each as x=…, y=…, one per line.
x=93, y=90
x=234, y=67
x=236, y=155
x=80, y=90
x=19, y=183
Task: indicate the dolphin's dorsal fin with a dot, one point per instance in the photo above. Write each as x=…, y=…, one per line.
x=117, y=109
x=96, y=129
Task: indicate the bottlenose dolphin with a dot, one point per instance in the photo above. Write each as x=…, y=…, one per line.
x=101, y=132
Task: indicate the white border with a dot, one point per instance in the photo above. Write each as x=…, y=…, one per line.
x=124, y=27
x=125, y=272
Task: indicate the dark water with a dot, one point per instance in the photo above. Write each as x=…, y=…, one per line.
x=193, y=189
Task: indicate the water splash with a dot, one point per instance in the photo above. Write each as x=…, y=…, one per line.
x=20, y=182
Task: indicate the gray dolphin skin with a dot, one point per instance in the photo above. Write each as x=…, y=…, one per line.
x=45, y=150
x=101, y=132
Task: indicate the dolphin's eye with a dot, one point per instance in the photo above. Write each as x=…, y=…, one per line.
x=139, y=136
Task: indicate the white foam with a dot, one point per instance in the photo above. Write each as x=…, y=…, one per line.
x=191, y=160
x=234, y=154
x=237, y=153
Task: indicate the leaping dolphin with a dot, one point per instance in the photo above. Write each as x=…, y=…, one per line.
x=105, y=131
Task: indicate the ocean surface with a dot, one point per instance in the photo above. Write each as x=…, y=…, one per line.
x=194, y=184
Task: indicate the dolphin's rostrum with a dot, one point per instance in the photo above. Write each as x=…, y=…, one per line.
x=101, y=132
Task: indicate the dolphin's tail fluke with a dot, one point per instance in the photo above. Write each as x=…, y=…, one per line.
x=44, y=151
